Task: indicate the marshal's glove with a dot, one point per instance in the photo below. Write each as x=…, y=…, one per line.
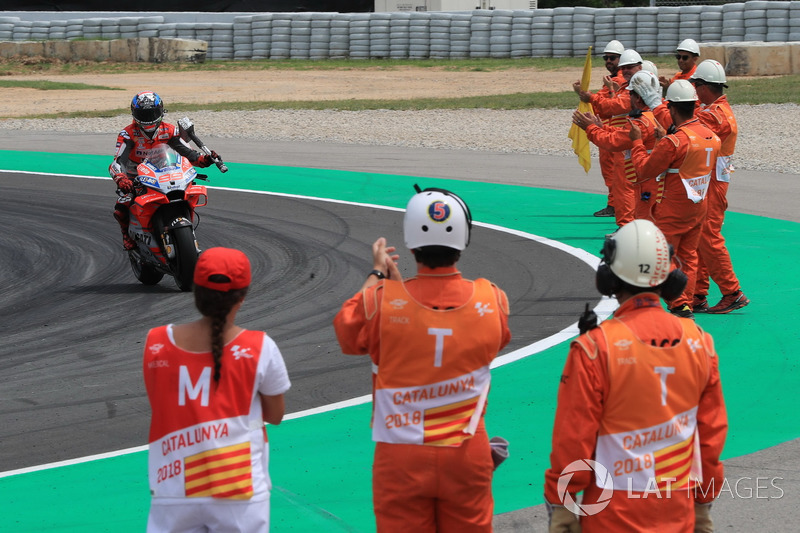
x=124, y=183
x=561, y=519
x=651, y=95
x=702, y=518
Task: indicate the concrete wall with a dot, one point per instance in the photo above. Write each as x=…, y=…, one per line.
x=750, y=58
x=145, y=49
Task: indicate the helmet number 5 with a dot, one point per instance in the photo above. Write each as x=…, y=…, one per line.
x=439, y=211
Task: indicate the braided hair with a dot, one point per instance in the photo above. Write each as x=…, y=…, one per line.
x=216, y=305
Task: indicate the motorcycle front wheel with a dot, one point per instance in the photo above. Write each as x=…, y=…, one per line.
x=144, y=273
x=185, y=257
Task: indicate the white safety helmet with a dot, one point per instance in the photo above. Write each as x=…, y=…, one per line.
x=643, y=79
x=614, y=47
x=689, y=45
x=629, y=57
x=649, y=66
x=681, y=91
x=638, y=254
x=436, y=217
x=710, y=71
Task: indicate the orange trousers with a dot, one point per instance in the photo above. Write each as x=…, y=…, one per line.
x=715, y=261
x=434, y=489
x=621, y=192
x=625, y=193
x=681, y=221
x=607, y=169
x=653, y=512
x=646, y=194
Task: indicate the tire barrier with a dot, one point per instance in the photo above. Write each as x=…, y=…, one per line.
x=557, y=32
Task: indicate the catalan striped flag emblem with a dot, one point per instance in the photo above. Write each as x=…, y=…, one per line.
x=220, y=473
x=673, y=465
x=444, y=426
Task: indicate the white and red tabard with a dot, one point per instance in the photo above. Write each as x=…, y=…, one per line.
x=700, y=163
x=433, y=377
x=718, y=116
x=648, y=435
x=207, y=439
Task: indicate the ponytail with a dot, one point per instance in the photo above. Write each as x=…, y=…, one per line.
x=217, y=323
x=216, y=305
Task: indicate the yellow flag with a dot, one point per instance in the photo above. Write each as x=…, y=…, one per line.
x=580, y=143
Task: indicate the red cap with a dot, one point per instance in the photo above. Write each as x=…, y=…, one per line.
x=226, y=262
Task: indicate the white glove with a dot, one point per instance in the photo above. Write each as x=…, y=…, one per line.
x=651, y=95
x=702, y=518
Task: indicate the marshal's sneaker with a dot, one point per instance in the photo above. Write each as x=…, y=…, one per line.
x=607, y=211
x=699, y=303
x=682, y=310
x=729, y=302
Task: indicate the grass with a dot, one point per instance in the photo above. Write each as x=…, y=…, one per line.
x=17, y=66
x=562, y=100
x=45, y=85
x=753, y=91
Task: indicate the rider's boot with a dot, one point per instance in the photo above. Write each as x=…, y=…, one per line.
x=127, y=243
x=122, y=218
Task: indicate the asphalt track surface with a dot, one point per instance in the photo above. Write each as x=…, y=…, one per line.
x=72, y=322
x=85, y=295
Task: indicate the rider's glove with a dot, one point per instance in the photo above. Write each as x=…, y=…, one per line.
x=205, y=160
x=123, y=183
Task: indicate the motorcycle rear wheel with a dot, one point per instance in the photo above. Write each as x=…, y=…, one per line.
x=185, y=257
x=144, y=273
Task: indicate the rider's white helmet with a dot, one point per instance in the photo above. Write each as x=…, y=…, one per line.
x=629, y=57
x=710, y=71
x=614, y=47
x=681, y=91
x=436, y=217
x=638, y=254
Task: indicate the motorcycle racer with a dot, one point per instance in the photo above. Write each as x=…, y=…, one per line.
x=136, y=142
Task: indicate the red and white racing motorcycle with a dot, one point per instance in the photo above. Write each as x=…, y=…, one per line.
x=162, y=215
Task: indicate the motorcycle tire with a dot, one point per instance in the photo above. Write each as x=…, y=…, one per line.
x=144, y=273
x=185, y=257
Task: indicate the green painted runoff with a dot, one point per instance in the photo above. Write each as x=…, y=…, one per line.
x=321, y=464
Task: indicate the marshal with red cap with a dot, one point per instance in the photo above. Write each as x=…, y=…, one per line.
x=222, y=269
